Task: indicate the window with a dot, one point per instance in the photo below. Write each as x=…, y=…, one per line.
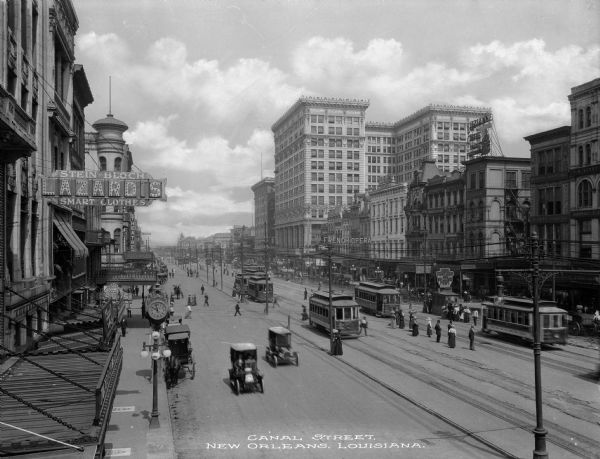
x=584, y=194
x=580, y=114
x=588, y=116
x=102, y=163
x=511, y=179
x=117, y=164
x=481, y=184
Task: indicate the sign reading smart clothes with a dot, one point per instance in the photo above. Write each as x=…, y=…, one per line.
x=103, y=188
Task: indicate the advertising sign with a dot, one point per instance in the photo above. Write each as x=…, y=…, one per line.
x=103, y=188
x=444, y=277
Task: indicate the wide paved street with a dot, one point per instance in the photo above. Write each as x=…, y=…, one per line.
x=389, y=395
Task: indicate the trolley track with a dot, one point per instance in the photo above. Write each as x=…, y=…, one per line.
x=474, y=435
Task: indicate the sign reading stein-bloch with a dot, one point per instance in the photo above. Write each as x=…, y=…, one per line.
x=103, y=188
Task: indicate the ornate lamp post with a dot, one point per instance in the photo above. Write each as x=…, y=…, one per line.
x=157, y=350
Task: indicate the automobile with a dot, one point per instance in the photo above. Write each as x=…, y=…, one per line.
x=178, y=338
x=244, y=375
x=279, y=349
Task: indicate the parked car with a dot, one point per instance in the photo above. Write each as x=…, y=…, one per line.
x=279, y=350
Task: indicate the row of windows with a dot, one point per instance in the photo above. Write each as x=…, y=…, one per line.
x=337, y=188
x=320, y=165
x=335, y=131
x=584, y=118
x=337, y=154
x=335, y=119
x=334, y=142
x=445, y=126
x=550, y=201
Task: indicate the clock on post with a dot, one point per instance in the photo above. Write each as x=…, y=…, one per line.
x=157, y=310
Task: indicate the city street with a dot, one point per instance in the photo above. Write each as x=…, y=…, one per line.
x=390, y=394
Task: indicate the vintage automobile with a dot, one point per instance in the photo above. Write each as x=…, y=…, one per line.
x=178, y=338
x=244, y=375
x=279, y=350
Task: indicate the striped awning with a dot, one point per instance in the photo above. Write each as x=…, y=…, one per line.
x=71, y=237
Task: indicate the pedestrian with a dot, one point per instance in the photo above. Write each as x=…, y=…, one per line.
x=472, y=338
x=123, y=326
x=275, y=302
x=305, y=294
x=393, y=320
x=467, y=315
x=206, y=301
x=237, y=310
x=188, y=314
x=319, y=288
x=429, y=328
x=411, y=320
x=475, y=316
x=452, y=337
x=415, y=328
x=401, y=325
x=438, y=331
x=202, y=289
x=129, y=310
x=364, y=325
x=304, y=314
x=172, y=310
x=397, y=317
x=450, y=325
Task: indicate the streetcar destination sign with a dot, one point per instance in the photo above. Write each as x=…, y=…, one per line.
x=103, y=188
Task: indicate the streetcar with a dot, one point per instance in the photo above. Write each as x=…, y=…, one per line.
x=260, y=288
x=378, y=299
x=512, y=316
x=344, y=309
x=240, y=283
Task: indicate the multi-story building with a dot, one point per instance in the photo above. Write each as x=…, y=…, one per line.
x=319, y=166
x=440, y=132
x=388, y=222
x=584, y=171
x=549, y=214
x=264, y=212
x=379, y=155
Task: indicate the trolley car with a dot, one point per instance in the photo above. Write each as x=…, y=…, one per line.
x=260, y=288
x=513, y=316
x=378, y=299
x=240, y=284
x=344, y=309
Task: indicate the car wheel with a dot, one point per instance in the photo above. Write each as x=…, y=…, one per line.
x=297, y=360
x=262, y=387
x=238, y=389
x=275, y=361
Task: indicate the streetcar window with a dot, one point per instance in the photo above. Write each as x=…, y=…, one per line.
x=546, y=321
x=339, y=313
x=527, y=319
x=556, y=320
x=520, y=318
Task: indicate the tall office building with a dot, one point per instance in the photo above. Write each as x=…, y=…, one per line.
x=440, y=132
x=319, y=166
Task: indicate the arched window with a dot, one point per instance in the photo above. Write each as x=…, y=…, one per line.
x=584, y=194
x=495, y=243
x=495, y=210
x=580, y=123
x=118, y=164
x=102, y=163
x=588, y=116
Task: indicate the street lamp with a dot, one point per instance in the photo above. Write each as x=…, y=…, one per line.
x=539, y=432
x=156, y=350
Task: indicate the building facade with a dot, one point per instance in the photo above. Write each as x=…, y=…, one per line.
x=584, y=171
x=264, y=212
x=319, y=166
x=388, y=221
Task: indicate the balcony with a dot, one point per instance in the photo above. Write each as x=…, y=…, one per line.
x=97, y=238
x=130, y=276
x=138, y=256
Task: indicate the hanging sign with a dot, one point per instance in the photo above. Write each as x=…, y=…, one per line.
x=103, y=188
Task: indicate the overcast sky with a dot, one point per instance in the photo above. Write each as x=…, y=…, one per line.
x=199, y=83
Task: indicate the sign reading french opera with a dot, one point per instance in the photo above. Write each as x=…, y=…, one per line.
x=103, y=188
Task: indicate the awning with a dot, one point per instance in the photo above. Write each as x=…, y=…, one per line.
x=69, y=234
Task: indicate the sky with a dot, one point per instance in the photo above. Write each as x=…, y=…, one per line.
x=201, y=82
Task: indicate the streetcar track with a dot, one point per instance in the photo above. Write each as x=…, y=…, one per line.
x=491, y=409
x=409, y=399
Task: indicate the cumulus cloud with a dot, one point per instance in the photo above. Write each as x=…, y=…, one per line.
x=211, y=157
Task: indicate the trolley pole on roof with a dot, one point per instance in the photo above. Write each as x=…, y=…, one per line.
x=539, y=431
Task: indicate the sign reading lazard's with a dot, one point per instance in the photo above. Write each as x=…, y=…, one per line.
x=103, y=188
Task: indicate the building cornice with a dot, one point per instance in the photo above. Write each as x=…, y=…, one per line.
x=444, y=109
x=327, y=102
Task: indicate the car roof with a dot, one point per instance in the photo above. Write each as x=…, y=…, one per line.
x=177, y=328
x=243, y=347
x=279, y=330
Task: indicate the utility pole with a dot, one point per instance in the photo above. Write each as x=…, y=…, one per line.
x=212, y=255
x=221, y=259
x=267, y=273
x=206, y=259
x=331, y=318
x=242, y=286
x=197, y=269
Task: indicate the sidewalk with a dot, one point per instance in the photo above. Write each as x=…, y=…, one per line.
x=128, y=433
